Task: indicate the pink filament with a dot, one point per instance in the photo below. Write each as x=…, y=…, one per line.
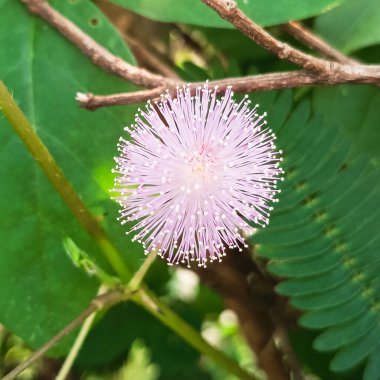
x=194, y=173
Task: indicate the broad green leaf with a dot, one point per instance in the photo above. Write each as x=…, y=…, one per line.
x=196, y=13
x=40, y=289
x=352, y=25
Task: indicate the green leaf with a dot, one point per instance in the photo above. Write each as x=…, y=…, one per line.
x=352, y=25
x=196, y=13
x=372, y=370
x=325, y=318
x=317, y=362
x=361, y=123
x=40, y=289
x=355, y=353
x=345, y=333
x=323, y=235
x=138, y=364
x=83, y=261
x=113, y=336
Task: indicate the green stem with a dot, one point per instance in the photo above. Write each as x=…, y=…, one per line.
x=74, y=351
x=55, y=175
x=138, y=277
x=145, y=298
x=154, y=306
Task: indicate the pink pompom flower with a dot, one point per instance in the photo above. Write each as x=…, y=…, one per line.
x=196, y=171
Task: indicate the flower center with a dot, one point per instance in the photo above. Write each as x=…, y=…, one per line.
x=199, y=170
x=201, y=163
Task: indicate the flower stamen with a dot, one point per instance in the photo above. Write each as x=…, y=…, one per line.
x=196, y=170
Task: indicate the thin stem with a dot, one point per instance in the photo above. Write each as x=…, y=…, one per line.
x=138, y=277
x=290, y=357
x=306, y=36
x=133, y=285
x=76, y=347
x=74, y=351
x=102, y=300
x=97, y=303
x=154, y=306
x=57, y=178
x=146, y=56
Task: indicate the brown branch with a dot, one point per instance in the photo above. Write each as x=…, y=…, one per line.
x=152, y=61
x=253, y=83
x=97, y=53
x=318, y=71
x=332, y=72
x=306, y=36
x=290, y=358
x=228, y=10
x=92, y=102
x=251, y=295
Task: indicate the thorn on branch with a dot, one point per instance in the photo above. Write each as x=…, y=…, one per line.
x=231, y=6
